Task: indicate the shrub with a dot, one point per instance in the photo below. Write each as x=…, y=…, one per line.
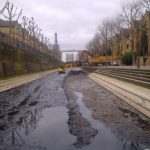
x=127, y=59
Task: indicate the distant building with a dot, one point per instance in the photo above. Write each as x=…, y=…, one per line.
x=70, y=56
x=122, y=43
x=12, y=29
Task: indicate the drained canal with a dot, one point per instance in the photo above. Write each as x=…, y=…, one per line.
x=50, y=114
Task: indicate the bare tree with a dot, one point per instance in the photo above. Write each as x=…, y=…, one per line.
x=32, y=28
x=106, y=34
x=117, y=25
x=131, y=12
x=38, y=33
x=2, y=10
x=103, y=31
x=94, y=45
x=11, y=14
x=102, y=40
x=117, y=28
x=145, y=4
x=24, y=27
x=31, y=31
x=37, y=37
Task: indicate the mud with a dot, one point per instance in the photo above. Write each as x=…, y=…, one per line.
x=27, y=110
x=79, y=126
x=61, y=112
x=130, y=127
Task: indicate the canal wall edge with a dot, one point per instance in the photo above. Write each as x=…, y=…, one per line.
x=15, y=61
x=133, y=98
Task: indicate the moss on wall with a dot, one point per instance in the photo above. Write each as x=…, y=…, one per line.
x=15, y=61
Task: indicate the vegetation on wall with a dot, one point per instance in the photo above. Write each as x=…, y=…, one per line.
x=127, y=59
x=15, y=61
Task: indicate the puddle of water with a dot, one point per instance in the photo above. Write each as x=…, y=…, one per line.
x=49, y=133
x=52, y=131
x=105, y=139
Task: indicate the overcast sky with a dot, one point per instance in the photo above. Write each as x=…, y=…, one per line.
x=75, y=21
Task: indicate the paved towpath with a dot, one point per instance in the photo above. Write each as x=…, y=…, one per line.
x=129, y=67
x=6, y=84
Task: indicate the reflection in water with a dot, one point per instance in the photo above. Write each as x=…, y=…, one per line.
x=105, y=135
x=11, y=126
x=31, y=119
x=24, y=125
x=104, y=138
x=37, y=130
x=81, y=128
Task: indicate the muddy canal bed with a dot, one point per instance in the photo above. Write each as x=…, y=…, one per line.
x=34, y=116
x=69, y=112
x=118, y=126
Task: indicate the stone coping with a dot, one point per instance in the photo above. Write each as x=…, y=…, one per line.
x=6, y=84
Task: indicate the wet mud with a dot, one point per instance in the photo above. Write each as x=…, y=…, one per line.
x=79, y=126
x=32, y=108
x=131, y=128
x=69, y=112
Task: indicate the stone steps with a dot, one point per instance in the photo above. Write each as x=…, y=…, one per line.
x=131, y=76
x=136, y=96
x=140, y=77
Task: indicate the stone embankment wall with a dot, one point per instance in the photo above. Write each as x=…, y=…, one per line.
x=15, y=61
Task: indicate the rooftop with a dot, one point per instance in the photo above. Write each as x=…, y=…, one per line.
x=4, y=23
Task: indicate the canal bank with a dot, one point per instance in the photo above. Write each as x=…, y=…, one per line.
x=136, y=96
x=23, y=59
x=9, y=83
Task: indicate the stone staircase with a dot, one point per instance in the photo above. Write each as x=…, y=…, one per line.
x=136, y=76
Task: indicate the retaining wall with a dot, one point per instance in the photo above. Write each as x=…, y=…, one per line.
x=15, y=61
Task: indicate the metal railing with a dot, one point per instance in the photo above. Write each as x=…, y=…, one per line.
x=4, y=38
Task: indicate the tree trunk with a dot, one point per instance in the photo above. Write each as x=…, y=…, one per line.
x=132, y=48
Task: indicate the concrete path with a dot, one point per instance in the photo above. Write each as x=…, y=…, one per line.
x=7, y=84
x=128, y=67
x=136, y=96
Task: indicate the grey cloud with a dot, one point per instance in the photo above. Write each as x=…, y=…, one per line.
x=74, y=20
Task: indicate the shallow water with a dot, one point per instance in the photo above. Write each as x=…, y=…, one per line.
x=49, y=133
x=105, y=139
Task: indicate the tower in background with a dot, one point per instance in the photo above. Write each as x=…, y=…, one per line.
x=56, y=45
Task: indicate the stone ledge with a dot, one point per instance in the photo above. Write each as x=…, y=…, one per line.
x=21, y=80
x=137, y=97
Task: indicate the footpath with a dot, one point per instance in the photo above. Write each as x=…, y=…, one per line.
x=6, y=84
x=134, y=95
x=131, y=67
